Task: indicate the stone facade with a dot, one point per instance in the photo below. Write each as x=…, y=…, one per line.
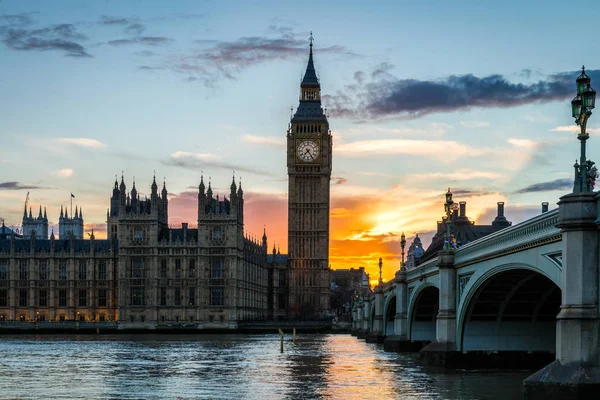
x=147, y=274
x=58, y=280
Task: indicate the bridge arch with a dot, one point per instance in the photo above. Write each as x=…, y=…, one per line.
x=423, y=310
x=389, y=315
x=511, y=307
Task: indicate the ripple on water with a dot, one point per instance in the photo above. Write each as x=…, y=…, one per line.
x=231, y=367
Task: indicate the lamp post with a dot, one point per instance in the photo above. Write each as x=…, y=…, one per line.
x=380, y=265
x=449, y=207
x=581, y=107
x=402, y=244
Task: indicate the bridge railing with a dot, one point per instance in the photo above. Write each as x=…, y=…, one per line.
x=536, y=230
x=421, y=270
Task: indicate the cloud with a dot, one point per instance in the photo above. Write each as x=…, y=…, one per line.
x=339, y=180
x=145, y=40
x=197, y=161
x=82, y=142
x=464, y=174
x=526, y=143
x=18, y=186
x=226, y=59
x=65, y=172
x=149, y=68
x=558, y=184
x=385, y=96
x=273, y=141
x=131, y=26
x=16, y=20
x=427, y=148
x=475, y=124
x=16, y=34
x=574, y=129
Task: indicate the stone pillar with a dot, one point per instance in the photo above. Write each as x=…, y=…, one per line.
x=399, y=341
x=354, y=328
x=575, y=374
x=359, y=318
x=443, y=352
x=377, y=335
x=366, y=316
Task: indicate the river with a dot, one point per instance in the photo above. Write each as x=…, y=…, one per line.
x=231, y=367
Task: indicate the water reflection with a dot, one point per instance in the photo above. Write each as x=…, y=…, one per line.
x=231, y=367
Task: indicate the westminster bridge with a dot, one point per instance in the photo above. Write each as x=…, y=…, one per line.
x=522, y=297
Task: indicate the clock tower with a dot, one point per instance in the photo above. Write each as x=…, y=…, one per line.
x=309, y=172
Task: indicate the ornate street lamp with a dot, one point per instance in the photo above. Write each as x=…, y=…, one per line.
x=402, y=244
x=380, y=265
x=581, y=107
x=449, y=207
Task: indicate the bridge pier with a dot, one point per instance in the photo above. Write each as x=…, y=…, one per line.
x=364, y=321
x=399, y=341
x=442, y=352
x=354, y=329
x=575, y=374
x=377, y=336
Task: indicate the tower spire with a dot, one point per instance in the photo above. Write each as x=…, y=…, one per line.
x=310, y=76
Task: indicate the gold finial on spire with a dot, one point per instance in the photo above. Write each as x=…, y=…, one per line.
x=311, y=39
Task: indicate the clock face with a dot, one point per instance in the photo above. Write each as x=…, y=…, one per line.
x=308, y=150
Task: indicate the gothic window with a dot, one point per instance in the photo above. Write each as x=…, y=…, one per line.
x=101, y=297
x=163, y=297
x=217, y=296
x=62, y=297
x=102, y=270
x=3, y=270
x=43, y=270
x=192, y=297
x=22, y=297
x=23, y=270
x=137, y=267
x=192, y=268
x=82, y=298
x=177, y=268
x=137, y=296
x=42, y=298
x=138, y=234
x=62, y=271
x=177, y=296
x=3, y=297
x=82, y=270
x=163, y=268
x=217, y=268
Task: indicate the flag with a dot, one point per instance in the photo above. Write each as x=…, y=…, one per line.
x=72, y=195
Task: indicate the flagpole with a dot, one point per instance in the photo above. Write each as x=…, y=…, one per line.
x=71, y=205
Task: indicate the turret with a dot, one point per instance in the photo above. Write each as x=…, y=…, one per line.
x=209, y=192
x=154, y=191
x=233, y=192
x=264, y=239
x=123, y=191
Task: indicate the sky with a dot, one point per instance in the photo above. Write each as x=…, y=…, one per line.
x=421, y=96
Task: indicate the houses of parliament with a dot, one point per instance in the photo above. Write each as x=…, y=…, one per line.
x=147, y=274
